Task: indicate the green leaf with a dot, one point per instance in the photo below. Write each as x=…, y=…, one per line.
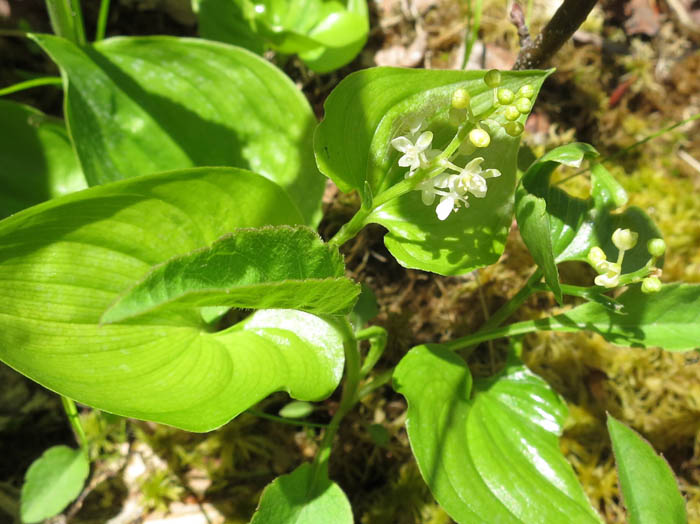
x=368, y=109
x=299, y=498
x=52, y=482
x=650, y=490
x=326, y=34
x=38, y=162
x=64, y=262
x=557, y=227
x=143, y=105
x=488, y=450
x=279, y=267
x=669, y=319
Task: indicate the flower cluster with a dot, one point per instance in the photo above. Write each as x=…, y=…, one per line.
x=610, y=273
x=452, y=183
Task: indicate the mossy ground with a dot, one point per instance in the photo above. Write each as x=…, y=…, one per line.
x=611, y=89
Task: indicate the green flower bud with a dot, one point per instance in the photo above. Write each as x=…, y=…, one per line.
x=505, y=95
x=656, y=247
x=479, y=137
x=493, y=78
x=651, y=285
x=596, y=256
x=511, y=113
x=460, y=98
x=523, y=105
x=624, y=239
x=514, y=128
x=526, y=91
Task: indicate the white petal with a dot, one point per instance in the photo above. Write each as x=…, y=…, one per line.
x=477, y=186
x=609, y=279
x=415, y=124
x=428, y=196
x=409, y=160
x=445, y=207
x=401, y=143
x=491, y=173
x=473, y=165
x=424, y=141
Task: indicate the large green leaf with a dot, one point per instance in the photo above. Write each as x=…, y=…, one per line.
x=557, y=227
x=488, y=450
x=650, y=490
x=327, y=34
x=669, y=319
x=52, y=482
x=64, y=262
x=38, y=162
x=278, y=267
x=370, y=108
x=299, y=498
x=143, y=105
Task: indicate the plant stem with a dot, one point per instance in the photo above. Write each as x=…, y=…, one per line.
x=34, y=82
x=472, y=31
x=507, y=309
x=350, y=229
x=291, y=422
x=67, y=20
x=102, y=20
x=377, y=336
x=568, y=18
x=74, y=419
x=347, y=401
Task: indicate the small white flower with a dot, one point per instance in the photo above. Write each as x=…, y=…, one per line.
x=413, y=154
x=472, y=178
x=608, y=279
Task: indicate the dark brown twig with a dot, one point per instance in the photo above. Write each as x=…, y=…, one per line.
x=517, y=16
x=570, y=15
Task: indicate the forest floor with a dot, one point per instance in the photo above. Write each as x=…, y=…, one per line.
x=632, y=70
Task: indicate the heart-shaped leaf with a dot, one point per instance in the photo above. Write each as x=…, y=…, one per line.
x=669, y=319
x=488, y=450
x=278, y=267
x=326, y=34
x=650, y=490
x=144, y=105
x=300, y=498
x=52, y=482
x=38, y=162
x=557, y=227
x=371, y=108
x=64, y=262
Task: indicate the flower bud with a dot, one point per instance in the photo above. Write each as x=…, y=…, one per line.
x=514, y=128
x=479, y=137
x=523, y=105
x=596, y=256
x=624, y=239
x=505, y=95
x=460, y=98
x=526, y=91
x=493, y=78
x=656, y=247
x=511, y=113
x=651, y=285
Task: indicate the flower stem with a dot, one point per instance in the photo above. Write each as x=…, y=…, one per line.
x=350, y=229
x=67, y=20
x=513, y=304
x=34, y=82
x=74, y=419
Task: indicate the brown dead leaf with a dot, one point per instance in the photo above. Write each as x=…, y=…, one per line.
x=643, y=18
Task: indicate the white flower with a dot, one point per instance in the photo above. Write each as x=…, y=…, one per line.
x=608, y=279
x=413, y=154
x=454, y=188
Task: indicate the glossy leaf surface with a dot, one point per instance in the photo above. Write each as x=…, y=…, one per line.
x=64, y=262
x=326, y=34
x=149, y=104
x=53, y=481
x=370, y=108
x=38, y=162
x=296, y=499
x=557, y=227
x=279, y=267
x=669, y=319
x=648, y=486
x=488, y=449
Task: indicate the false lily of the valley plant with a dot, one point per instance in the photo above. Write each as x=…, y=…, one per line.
x=185, y=182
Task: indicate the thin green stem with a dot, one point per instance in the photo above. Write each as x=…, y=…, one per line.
x=74, y=419
x=377, y=336
x=347, y=401
x=507, y=309
x=291, y=422
x=350, y=229
x=377, y=382
x=627, y=149
x=102, y=20
x=519, y=328
x=29, y=84
x=67, y=20
x=472, y=30
x=14, y=32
